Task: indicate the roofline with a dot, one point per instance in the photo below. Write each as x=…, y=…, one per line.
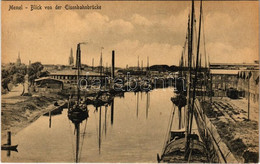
x=234, y=64
x=48, y=78
x=60, y=74
x=224, y=73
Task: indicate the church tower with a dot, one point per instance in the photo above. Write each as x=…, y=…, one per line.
x=18, y=61
x=71, y=59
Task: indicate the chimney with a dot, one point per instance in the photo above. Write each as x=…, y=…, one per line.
x=113, y=64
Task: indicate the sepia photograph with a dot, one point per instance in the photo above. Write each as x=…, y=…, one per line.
x=129, y=81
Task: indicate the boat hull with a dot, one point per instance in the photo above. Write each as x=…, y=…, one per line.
x=175, y=152
x=9, y=147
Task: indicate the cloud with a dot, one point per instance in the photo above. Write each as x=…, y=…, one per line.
x=159, y=53
x=176, y=22
x=236, y=30
x=140, y=20
x=120, y=26
x=220, y=27
x=62, y=31
x=91, y=23
x=159, y=34
x=222, y=53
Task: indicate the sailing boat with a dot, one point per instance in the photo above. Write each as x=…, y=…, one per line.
x=77, y=111
x=181, y=145
x=77, y=120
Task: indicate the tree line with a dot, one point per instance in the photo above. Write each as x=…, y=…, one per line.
x=15, y=74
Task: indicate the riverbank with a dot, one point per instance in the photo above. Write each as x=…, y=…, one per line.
x=20, y=111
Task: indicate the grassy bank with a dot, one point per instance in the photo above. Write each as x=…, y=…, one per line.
x=18, y=115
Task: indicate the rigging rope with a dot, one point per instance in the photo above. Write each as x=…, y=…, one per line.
x=166, y=134
x=204, y=40
x=190, y=151
x=196, y=40
x=166, y=138
x=184, y=48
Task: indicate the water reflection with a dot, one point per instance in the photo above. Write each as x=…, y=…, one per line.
x=77, y=116
x=94, y=139
x=54, y=112
x=147, y=103
x=99, y=132
x=137, y=104
x=9, y=150
x=50, y=120
x=105, y=124
x=112, y=112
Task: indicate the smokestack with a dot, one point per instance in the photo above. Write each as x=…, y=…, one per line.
x=113, y=64
x=78, y=60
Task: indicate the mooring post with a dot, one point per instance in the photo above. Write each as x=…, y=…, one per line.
x=9, y=138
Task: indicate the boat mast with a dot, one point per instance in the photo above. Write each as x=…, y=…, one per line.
x=195, y=79
x=190, y=38
x=101, y=65
x=196, y=69
x=147, y=67
x=78, y=66
x=181, y=63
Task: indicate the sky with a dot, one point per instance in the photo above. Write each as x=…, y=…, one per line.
x=132, y=28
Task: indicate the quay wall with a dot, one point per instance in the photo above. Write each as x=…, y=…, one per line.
x=218, y=150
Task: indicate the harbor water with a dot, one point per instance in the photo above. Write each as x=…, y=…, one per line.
x=133, y=131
